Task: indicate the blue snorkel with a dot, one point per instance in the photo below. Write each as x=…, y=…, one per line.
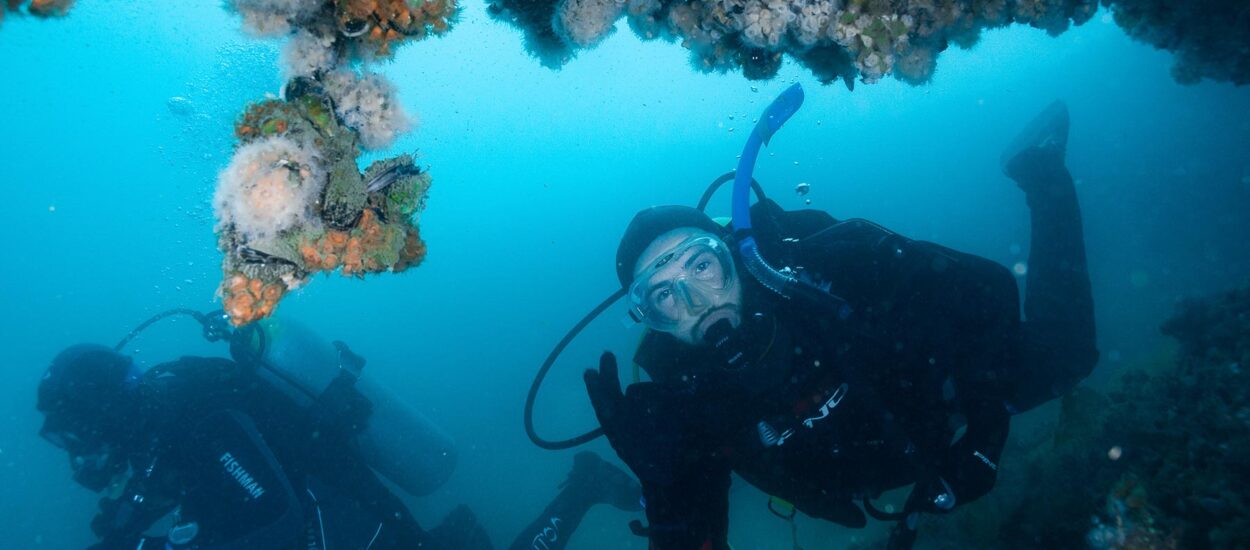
x=784, y=281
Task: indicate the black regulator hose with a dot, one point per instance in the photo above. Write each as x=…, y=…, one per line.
x=135, y=332
x=561, y=444
x=727, y=177
x=542, y=374
x=247, y=344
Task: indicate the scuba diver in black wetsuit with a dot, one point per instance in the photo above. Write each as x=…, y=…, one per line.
x=871, y=362
x=205, y=453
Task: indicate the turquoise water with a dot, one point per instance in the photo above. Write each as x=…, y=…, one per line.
x=117, y=118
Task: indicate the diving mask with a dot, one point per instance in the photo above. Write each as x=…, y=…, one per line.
x=683, y=281
x=95, y=463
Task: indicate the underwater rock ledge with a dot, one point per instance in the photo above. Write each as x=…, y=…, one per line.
x=868, y=39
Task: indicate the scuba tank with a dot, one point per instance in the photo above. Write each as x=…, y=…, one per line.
x=398, y=442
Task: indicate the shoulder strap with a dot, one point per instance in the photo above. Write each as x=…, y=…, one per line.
x=241, y=498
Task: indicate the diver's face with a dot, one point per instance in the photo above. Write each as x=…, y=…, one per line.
x=687, y=282
x=95, y=461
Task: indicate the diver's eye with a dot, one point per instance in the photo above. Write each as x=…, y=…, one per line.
x=661, y=296
x=705, y=268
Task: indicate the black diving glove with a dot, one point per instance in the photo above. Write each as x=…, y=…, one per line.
x=966, y=475
x=646, y=425
x=970, y=472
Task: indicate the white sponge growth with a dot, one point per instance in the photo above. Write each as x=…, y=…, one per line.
x=273, y=17
x=270, y=186
x=308, y=52
x=586, y=22
x=367, y=103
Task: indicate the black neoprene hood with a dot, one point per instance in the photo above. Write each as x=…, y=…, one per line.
x=82, y=378
x=648, y=225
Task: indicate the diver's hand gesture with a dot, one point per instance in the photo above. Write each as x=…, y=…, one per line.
x=643, y=424
x=604, y=388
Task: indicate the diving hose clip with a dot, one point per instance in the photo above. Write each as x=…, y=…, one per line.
x=945, y=499
x=216, y=326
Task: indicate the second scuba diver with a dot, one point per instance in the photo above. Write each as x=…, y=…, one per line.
x=910, y=379
x=206, y=453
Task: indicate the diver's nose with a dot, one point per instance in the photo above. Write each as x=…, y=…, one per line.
x=695, y=300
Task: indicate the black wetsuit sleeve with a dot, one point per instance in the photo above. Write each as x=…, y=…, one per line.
x=692, y=512
x=988, y=425
x=988, y=318
x=972, y=463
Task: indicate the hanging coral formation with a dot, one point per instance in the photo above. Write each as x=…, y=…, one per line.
x=869, y=39
x=293, y=201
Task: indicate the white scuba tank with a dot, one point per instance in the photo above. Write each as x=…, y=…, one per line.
x=398, y=442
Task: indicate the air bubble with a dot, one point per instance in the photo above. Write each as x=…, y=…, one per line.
x=180, y=106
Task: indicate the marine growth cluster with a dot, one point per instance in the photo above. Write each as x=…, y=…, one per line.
x=867, y=39
x=293, y=200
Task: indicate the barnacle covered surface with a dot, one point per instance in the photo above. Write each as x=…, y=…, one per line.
x=293, y=200
x=836, y=39
x=868, y=39
x=1211, y=38
x=1158, y=461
